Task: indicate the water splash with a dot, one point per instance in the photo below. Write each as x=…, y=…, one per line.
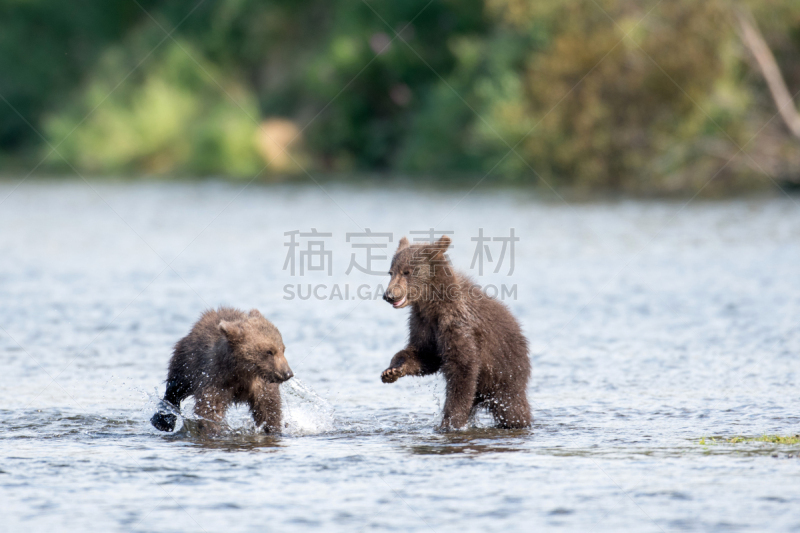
x=304, y=411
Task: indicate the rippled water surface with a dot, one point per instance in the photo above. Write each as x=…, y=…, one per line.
x=652, y=325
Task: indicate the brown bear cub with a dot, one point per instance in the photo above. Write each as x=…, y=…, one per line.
x=457, y=330
x=228, y=357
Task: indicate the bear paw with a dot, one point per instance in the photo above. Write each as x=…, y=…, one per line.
x=390, y=375
x=164, y=421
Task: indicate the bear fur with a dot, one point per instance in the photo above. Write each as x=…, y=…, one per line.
x=457, y=330
x=228, y=357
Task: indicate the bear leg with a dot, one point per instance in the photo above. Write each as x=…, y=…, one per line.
x=511, y=411
x=210, y=407
x=459, y=400
x=165, y=419
x=265, y=404
x=408, y=362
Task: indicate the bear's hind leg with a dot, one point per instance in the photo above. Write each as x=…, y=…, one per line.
x=210, y=407
x=511, y=411
x=459, y=400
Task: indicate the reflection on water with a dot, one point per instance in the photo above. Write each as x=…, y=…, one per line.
x=229, y=440
x=475, y=440
x=651, y=326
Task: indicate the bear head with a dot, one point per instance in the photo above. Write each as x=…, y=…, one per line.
x=418, y=272
x=257, y=347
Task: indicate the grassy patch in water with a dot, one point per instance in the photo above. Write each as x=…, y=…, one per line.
x=772, y=439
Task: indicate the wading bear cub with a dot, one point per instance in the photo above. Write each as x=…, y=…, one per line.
x=457, y=330
x=228, y=357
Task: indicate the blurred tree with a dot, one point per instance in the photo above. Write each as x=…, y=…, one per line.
x=624, y=93
x=46, y=47
x=589, y=93
x=172, y=117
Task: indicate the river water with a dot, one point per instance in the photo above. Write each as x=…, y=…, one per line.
x=652, y=324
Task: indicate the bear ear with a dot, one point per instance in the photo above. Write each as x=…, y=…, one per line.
x=232, y=330
x=441, y=246
x=255, y=313
x=402, y=245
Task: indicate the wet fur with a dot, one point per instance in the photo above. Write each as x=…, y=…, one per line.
x=224, y=360
x=457, y=330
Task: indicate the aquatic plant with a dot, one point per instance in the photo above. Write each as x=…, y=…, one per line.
x=772, y=439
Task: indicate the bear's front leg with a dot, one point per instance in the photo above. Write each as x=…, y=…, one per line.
x=210, y=407
x=177, y=391
x=403, y=363
x=165, y=419
x=265, y=404
x=411, y=362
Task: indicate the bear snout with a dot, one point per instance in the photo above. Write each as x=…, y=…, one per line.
x=396, y=298
x=286, y=375
x=391, y=295
x=283, y=372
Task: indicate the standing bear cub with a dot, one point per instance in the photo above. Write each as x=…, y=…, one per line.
x=228, y=357
x=457, y=330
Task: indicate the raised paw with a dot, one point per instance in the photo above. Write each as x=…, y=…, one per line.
x=390, y=375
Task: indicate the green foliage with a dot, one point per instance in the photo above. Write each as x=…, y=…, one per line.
x=595, y=94
x=627, y=93
x=174, y=117
x=45, y=48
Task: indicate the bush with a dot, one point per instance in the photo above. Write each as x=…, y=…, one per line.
x=172, y=118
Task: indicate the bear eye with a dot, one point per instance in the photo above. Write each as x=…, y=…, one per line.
x=270, y=353
x=406, y=272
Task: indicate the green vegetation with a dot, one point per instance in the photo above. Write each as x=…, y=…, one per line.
x=772, y=439
x=595, y=94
